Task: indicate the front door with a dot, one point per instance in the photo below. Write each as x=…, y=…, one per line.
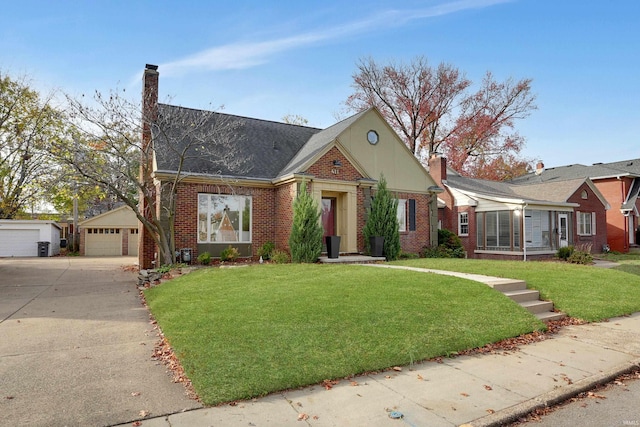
x=329, y=216
x=563, y=232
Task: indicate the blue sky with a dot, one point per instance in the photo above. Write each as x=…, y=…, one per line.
x=269, y=59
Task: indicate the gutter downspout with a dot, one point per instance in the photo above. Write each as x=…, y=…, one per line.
x=524, y=233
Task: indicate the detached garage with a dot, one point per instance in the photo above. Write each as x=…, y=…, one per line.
x=23, y=238
x=113, y=233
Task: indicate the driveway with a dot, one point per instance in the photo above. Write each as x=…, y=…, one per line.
x=76, y=345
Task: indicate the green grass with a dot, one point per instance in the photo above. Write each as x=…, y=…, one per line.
x=583, y=292
x=250, y=331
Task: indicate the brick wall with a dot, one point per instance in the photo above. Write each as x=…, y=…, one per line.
x=283, y=214
x=615, y=191
x=324, y=168
x=263, y=225
x=590, y=204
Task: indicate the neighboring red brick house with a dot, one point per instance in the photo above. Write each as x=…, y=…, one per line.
x=247, y=207
x=498, y=220
x=619, y=182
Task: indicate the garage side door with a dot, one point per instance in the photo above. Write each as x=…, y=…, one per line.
x=103, y=242
x=19, y=242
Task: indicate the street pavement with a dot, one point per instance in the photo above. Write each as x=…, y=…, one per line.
x=75, y=349
x=76, y=345
x=615, y=405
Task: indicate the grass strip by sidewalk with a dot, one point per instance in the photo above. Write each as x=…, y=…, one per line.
x=245, y=332
x=582, y=291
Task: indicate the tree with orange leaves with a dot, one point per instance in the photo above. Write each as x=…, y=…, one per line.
x=433, y=110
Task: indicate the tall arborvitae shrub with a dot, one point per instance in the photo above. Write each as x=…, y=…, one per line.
x=382, y=220
x=305, y=241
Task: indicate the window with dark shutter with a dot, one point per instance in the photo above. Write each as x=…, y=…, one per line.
x=412, y=214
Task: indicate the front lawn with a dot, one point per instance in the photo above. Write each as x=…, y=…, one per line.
x=582, y=291
x=244, y=332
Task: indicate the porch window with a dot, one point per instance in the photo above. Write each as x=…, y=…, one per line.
x=224, y=218
x=537, y=229
x=497, y=231
x=463, y=223
x=586, y=223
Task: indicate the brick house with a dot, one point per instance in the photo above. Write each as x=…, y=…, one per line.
x=619, y=182
x=247, y=207
x=500, y=220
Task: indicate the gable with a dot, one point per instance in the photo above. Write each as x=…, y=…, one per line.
x=122, y=217
x=389, y=156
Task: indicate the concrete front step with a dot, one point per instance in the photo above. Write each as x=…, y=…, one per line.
x=507, y=285
x=536, y=307
x=523, y=295
x=548, y=316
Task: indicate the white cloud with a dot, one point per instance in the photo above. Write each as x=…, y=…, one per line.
x=251, y=54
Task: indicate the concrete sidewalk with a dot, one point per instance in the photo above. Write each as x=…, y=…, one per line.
x=480, y=390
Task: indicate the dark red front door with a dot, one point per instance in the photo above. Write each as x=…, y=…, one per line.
x=329, y=216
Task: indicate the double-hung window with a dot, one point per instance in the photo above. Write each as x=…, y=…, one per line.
x=406, y=215
x=586, y=223
x=463, y=223
x=224, y=218
x=402, y=215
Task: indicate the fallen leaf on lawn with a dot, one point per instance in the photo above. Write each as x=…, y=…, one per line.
x=488, y=387
x=144, y=413
x=491, y=411
x=354, y=384
x=388, y=377
x=464, y=394
x=302, y=416
x=397, y=368
x=315, y=417
x=135, y=393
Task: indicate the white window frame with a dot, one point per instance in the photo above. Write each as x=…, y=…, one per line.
x=241, y=236
x=402, y=215
x=461, y=223
x=586, y=223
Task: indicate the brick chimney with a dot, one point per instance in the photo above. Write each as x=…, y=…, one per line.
x=438, y=168
x=147, y=248
x=149, y=101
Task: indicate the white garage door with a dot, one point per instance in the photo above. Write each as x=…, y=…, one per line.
x=133, y=242
x=103, y=242
x=19, y=242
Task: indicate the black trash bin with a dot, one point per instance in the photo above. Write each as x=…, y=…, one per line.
x=43, y=249
x=333, y=246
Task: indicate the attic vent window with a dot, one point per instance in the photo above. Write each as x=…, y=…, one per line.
x=584, y=194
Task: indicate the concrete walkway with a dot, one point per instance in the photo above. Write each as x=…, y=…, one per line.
x=479, y=390
x=76, y=345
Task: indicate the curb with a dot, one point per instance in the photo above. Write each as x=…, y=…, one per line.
x=561, y=394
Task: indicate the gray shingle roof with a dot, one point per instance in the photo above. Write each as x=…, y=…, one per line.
x=556, y=192
x=630, y=203
x=597, y=170
x=225, y=144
